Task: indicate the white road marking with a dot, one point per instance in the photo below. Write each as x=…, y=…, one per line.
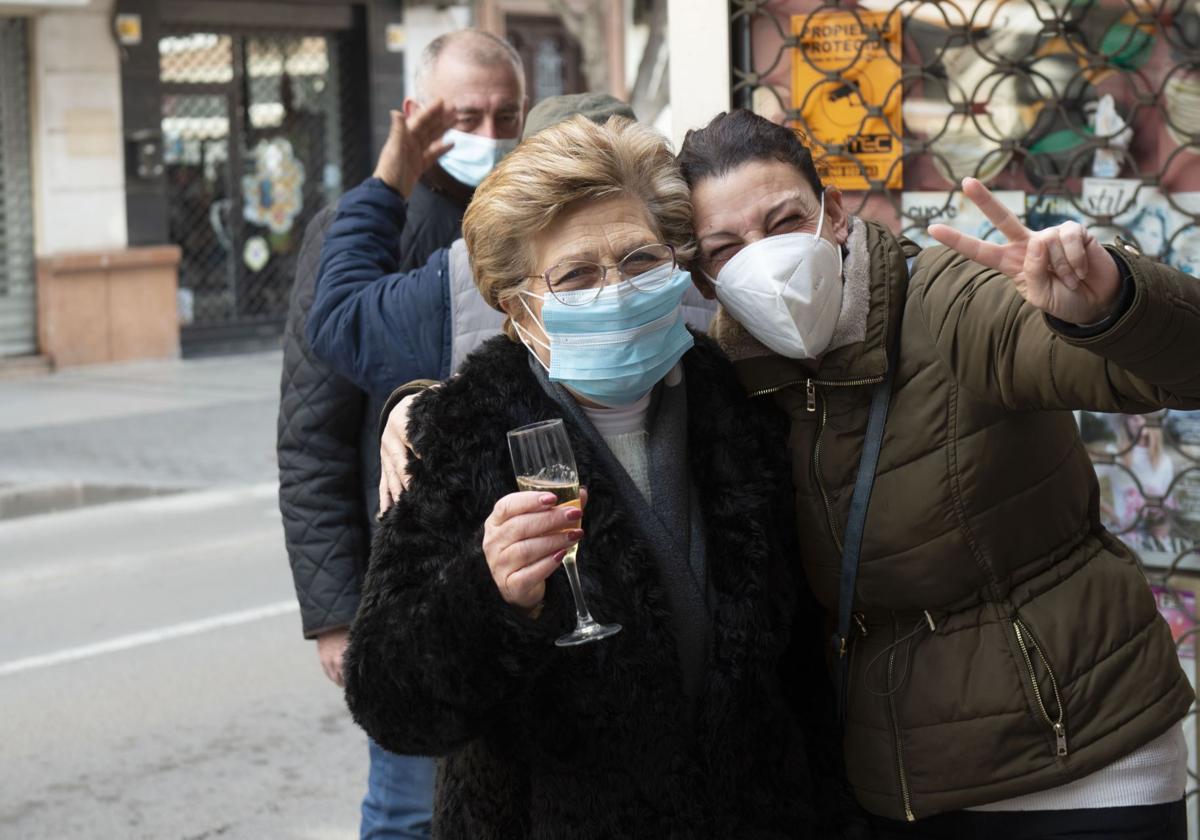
x=148, y=637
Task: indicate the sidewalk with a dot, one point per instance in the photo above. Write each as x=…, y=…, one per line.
x=120, y=431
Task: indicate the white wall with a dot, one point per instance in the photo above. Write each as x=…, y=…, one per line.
x=698, y=42
x=79, y=165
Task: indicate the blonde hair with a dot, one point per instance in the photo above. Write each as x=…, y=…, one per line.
x=575, y=160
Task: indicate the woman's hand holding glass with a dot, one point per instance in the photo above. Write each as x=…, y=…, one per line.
x=525, y=540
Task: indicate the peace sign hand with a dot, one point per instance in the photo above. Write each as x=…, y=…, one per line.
x=413, y=145
x=1063, y=270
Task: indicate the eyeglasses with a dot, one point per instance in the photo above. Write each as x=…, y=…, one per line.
x=578, y=282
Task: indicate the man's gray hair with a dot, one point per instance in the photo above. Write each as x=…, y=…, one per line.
x=479, y=47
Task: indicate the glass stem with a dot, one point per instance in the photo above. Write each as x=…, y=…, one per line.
x=581, y=610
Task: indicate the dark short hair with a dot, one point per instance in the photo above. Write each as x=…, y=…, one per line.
x=737, y=137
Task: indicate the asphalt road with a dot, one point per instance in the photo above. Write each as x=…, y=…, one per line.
x=154, y=682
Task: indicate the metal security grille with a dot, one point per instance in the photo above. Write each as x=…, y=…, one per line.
x=17, y=304
x=256, y=140
x=1090, y=110
x=1149, y=470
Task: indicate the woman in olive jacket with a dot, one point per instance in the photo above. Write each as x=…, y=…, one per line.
x=1007, y=668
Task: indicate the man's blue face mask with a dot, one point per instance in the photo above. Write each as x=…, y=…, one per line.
x=473, y=157
x=615, y=349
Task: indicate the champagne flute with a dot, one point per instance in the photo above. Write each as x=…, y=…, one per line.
x=543, y=461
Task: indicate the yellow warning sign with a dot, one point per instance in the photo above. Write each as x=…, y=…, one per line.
x=846, y=85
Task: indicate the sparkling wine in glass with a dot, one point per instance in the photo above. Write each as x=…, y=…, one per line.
x=543, y=461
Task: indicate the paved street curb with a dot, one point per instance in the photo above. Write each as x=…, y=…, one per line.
x=17, y=500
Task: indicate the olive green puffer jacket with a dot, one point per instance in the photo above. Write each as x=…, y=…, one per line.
x=1004, y=642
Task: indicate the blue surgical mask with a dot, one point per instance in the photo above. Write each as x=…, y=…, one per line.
x=615, y=349
x=473, y=157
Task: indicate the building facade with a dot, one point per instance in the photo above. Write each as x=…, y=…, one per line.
x=160, y=159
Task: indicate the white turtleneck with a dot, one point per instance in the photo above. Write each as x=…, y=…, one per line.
x=624, y=429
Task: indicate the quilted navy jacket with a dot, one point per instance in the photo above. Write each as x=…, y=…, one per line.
x=327, y=442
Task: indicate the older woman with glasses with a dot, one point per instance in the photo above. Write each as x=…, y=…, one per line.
x=682, y=725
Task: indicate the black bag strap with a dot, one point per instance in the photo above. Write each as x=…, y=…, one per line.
x=860, y=501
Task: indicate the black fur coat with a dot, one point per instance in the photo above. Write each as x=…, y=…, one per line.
x=591, y=741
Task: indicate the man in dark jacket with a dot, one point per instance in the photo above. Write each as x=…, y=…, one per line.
x=327, y=445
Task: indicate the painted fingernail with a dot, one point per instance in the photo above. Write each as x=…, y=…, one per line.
x=558, y=558
x=574, y=536
x=548, y=499
x=574, y=514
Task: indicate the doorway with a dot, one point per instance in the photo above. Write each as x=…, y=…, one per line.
x=552, y=57
x=254, y=145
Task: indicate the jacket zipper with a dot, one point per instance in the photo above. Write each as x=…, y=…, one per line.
x=1025, y=641
x=905, y=794
x=810, y=384
x=810, y=391
x=829, y=517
